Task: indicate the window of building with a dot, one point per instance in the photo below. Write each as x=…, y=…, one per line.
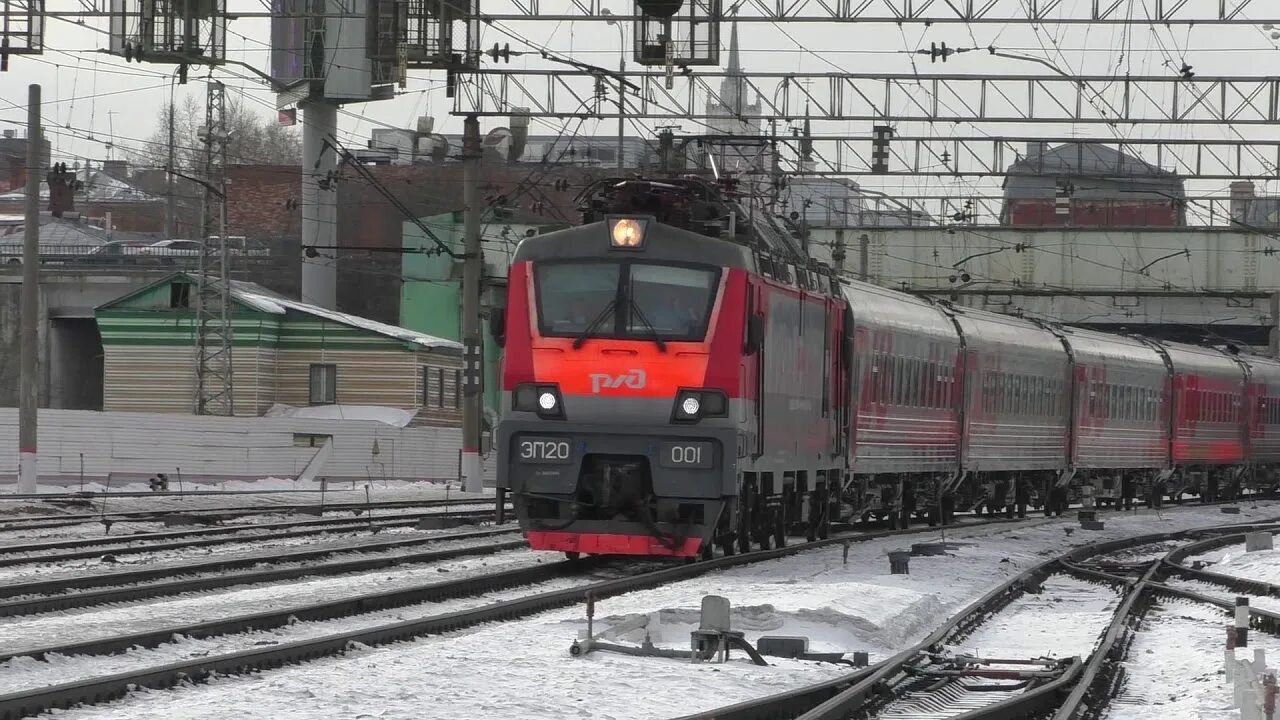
x=436, y=390
x=310, y=440
x=324, y=384
x=179, y=295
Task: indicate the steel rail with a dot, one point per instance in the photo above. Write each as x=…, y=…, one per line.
x=112, y=521
x=99, y=547
x=68, y=601
x=124, y=577
x=838, y=697
x=28, y=521
x=97, y=690
x=1097, y=684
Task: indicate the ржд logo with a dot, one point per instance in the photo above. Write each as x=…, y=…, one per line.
x=633, y=379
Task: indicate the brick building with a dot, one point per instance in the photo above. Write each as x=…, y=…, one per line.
x=1088, y=184
x=265, y=201
x=104, y=190
x=13, y=160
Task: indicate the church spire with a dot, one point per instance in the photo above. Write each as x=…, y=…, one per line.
x=733, y=91
x=735, y=66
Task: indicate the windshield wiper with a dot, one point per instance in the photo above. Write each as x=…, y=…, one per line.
x=577, y=342
x=653, y=332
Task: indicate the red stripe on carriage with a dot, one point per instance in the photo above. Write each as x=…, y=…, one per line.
x=609, y=544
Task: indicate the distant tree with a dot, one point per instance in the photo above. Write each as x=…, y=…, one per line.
x=255, y=138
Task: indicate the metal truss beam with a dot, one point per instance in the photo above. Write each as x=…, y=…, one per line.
x=1075, y=12
x=1008, y=157
x=982, y=209
x=928, y=12
x=21, y=29
x=561, y=93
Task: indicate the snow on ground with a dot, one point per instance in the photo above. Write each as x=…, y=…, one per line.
x=1263, y=565
x=523, y=670
x=25, y=673
x=1174, y=670
x=1065, y=618
x=1221, y=593
x=83, y=624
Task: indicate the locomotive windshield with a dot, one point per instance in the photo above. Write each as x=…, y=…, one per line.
x=632, y=300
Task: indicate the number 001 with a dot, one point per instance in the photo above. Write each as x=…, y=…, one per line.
x=686, y=454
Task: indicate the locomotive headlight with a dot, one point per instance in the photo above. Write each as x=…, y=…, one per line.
x=693, y=405
x=543, y=399
x=690, y=406
x=627, y=233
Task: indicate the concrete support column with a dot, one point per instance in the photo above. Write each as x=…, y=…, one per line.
x=319, y=203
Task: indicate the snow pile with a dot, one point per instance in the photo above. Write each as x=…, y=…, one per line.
x=1261, y=565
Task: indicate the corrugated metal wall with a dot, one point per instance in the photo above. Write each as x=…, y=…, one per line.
x=128, y=447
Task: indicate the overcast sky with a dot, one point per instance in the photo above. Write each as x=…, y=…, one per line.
x=100, y=104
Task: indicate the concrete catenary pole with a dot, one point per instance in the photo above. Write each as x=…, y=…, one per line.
x=29, y=368
x=170, y=204
x=319, y=209
x=472, y=364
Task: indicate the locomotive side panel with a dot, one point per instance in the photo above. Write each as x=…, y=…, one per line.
x=904, y=384
x=1208, y=406
x=1017, y=394
x=1121, y=388
x=798, y=420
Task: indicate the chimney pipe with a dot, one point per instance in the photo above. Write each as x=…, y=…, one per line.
x=1242, y=196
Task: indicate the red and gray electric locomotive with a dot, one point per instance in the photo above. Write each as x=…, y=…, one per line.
x=677, y=379
x=668, y=390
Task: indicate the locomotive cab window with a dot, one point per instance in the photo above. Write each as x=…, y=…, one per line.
x=631, y=300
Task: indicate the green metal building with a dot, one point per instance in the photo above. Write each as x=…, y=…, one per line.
x=431, y=281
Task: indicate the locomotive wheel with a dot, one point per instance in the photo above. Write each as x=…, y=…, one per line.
x=815, y=518
x=707, y=551
x=572, y=555
x=728, y=547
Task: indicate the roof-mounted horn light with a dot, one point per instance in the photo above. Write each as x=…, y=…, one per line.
x=627, y=233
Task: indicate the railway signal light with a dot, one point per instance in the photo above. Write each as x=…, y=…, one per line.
x=880, y=135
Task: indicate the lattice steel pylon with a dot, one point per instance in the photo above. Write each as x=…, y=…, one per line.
x=213, y=280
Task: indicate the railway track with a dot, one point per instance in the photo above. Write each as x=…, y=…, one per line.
x=81, y=548
x=926, y=682
x=41, y=596
x=103, y=689
x=194, y=515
